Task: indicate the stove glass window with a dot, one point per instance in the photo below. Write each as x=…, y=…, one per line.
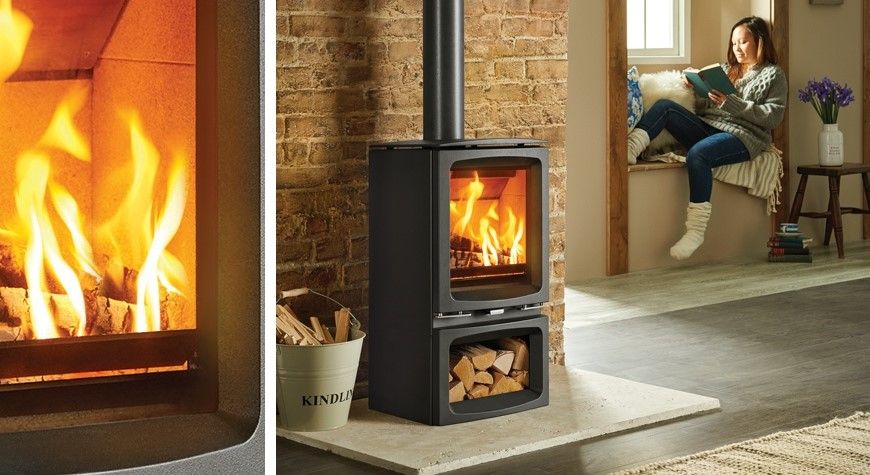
x=488, y=225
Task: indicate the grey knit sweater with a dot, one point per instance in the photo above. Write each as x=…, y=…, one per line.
x=752, y=112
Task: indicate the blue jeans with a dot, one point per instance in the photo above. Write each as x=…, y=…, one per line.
x=708, y=146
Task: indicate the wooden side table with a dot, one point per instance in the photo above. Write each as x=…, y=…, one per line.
x=834, y=214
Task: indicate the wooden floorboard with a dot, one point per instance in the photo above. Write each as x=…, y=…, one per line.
x=776, y=362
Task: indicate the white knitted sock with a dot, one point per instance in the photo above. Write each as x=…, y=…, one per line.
x=638, y=140
x=697, y=216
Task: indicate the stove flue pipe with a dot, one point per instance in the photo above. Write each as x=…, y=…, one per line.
x=443, y=70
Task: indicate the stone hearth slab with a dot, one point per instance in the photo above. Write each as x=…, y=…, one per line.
x=583, y=405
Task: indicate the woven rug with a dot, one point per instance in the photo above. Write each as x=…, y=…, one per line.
x=841, y=446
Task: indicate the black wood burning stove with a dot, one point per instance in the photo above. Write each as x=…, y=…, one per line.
x=458, y=254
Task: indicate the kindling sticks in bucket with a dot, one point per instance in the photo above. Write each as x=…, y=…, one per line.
x=291, y=330
x=316, y=371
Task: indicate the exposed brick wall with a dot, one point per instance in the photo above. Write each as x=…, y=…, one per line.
x=350, y=73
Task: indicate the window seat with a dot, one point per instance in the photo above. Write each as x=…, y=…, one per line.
x=643, y=166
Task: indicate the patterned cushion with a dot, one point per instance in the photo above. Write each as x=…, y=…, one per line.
x=635, y=100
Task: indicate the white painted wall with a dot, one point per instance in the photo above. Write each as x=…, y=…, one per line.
x=657, y=199
x=585, y=141
x=825, y=41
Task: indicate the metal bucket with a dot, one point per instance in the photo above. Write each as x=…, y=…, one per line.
x=315, y=383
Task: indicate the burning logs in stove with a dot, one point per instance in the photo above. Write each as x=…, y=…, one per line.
x=109, y=308
x=488, y=369
x=104, y=315
x=466, y=253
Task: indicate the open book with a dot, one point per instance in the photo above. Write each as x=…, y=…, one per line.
x=709, y=77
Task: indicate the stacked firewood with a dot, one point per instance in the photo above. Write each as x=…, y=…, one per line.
x=292, y=331
x=481, y=370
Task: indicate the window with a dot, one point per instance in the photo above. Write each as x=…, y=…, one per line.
x=658, y=31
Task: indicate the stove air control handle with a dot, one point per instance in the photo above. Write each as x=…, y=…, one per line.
x=452, y=315
x=532, y=306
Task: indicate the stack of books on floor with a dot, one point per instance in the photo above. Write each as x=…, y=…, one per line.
x=789, y=245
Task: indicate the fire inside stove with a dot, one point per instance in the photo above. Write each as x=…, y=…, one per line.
x=97, y=225
x=487, y=223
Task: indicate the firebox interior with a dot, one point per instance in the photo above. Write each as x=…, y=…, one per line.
x=487, y=222
x=100, y=113
x=493, y=228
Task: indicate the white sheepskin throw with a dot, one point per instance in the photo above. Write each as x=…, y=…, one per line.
x=664, y=85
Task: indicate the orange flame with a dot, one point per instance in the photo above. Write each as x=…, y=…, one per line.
x=33, y=173
x=497, y=246
x=15, y=28
x=139, y=236
x=470, y=195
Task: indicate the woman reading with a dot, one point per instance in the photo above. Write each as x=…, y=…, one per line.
x=725, y=129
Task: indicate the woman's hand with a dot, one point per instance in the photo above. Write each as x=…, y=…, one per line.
x=686, y=83
x=717, y=97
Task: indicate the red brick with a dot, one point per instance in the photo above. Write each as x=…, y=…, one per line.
x=397, y=7
x=343, y=51
x=359, y=248
x=556, y=7
x=516, y=6
x=514, y=27
x=325, y=152
x=330, y=248
x=285, y=54
x=404, y=50
x=293, y=250
x=302, y=177
x=293, y=153
x=359, y=125
x=288, y=5
x=337, y=6
x=311, y=25
x=356, y=273
x=510, y=69
x=547, y=69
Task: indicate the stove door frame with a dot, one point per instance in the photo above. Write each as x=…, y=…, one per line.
x=538, y=260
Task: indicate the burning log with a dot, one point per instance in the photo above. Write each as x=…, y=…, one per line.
x=462, y=243
x=111, y=316
x=103, y=315
x=14, y=308
x=11, y=274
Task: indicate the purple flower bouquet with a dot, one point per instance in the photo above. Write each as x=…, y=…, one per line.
x=827, y=97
